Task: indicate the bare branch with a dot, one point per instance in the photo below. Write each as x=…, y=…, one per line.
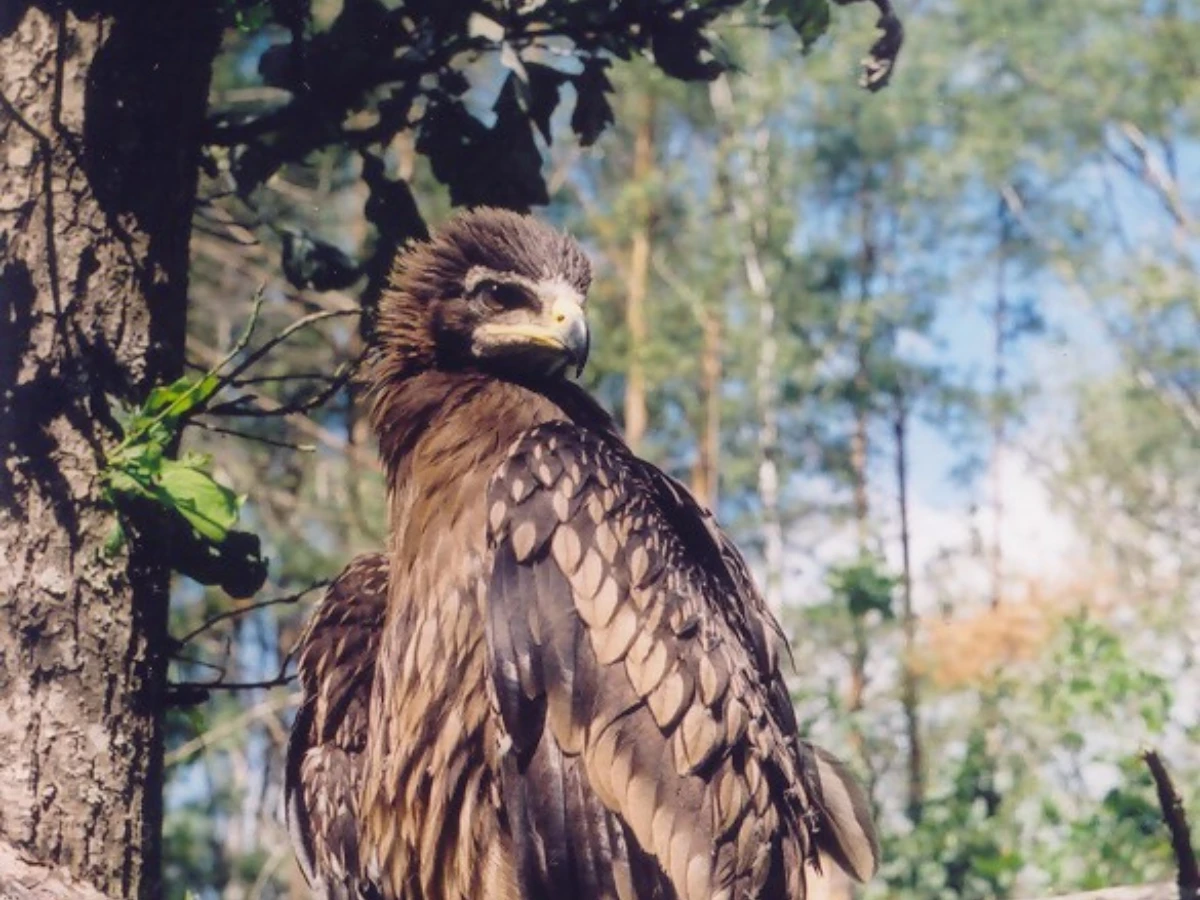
x=1068, y=270
x=246, y=435
x=267, y=707
x=287, y=376
x=186, y=687
x=324, y=436
x=251, y=607
x=1158, y=175
x=298, y=325
x=1177, y=824
x=238, y=407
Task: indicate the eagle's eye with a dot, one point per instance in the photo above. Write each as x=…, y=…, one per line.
x=498, y=295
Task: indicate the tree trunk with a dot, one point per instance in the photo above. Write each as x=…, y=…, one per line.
x=860, y=440
x=706, y=473
x=859, y=453
x=101, y=111
x=638, y=278
x=908, y=676
x=745, y=199
x=999, y=414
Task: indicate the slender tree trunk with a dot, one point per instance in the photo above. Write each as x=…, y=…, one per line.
x=860, y=447
x=858, y=469
x=752, y=195
x=101, y=110
x=706, y=473
x=638, y=277
x=860, y=440
x=859, y=454
x=768, y=449
x=859, y=458
x=766, y=378
x=998, y=413
x=908, y=621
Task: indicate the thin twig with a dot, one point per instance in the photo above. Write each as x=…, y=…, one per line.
x=289, y=376
x=243, y=340
x=366, y=460
x=277, y=681
x=193, y=661
x=246, y=435
x=1157, y=175
x=1175, y=817
x=236, y=407
x=251, y=607
x=236, y=725
x=301, y=323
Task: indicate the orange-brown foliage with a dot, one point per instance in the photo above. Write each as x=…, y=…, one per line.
x=977, y=646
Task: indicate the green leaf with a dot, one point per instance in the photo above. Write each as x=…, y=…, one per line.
x=180, y=396
x=196, y=460
x=209, y=507
x=121, y=482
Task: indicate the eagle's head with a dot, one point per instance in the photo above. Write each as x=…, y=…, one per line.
x=492, y=291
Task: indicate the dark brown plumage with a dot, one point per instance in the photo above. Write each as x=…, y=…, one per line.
x=324, y=759
x=573, y=684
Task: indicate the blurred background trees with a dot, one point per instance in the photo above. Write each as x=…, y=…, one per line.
x=933, y=354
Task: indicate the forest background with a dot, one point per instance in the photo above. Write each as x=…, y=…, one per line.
x=932, y=353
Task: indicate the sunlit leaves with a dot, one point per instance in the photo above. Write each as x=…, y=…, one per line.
x=187, y=486
x=139, y=466
x=175, y=505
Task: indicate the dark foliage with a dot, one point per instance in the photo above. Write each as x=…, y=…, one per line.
x=380, y=69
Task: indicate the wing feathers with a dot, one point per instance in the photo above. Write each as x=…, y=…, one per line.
x=850, y=837
x=336, y=663
x=659, y=688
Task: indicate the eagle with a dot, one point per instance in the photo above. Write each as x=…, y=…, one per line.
x=559, y=681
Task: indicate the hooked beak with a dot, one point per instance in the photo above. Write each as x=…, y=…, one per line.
x=561, y=332
x=572, y=331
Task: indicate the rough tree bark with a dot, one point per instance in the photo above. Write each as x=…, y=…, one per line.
x=101, y=111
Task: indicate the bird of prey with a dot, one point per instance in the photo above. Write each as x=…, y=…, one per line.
x=560, y=680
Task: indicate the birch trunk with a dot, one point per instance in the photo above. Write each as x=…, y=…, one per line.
x=751, y=195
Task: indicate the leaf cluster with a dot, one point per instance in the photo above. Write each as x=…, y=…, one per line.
x=174, y=506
